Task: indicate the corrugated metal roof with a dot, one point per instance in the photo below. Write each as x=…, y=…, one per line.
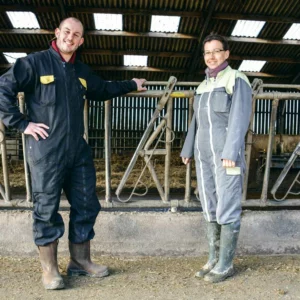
x=178, y=56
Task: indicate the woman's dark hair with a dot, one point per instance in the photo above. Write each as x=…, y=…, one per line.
x=216, y=37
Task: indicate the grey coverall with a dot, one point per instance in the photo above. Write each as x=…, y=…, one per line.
x=222, y=110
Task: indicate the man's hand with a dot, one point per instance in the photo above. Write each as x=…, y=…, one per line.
x=227, y=163
x=37, y=130
x=139, y=83
x=186, y=160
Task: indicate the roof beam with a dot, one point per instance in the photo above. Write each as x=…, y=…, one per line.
x=91, y=10
x=34, y=9
x=159, y=54
x=143, y=12
x=151, y=35
x=103, y=33
x=262, y=41
x=249, y=17
x=286, y=60
x=149, y=69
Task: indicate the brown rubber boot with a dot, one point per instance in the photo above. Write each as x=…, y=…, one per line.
x=51, y=278
x=81, y=264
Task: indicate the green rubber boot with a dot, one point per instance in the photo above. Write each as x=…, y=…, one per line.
x=228, y=243
x=213, y=236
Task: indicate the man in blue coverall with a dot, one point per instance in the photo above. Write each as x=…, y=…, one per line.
x=56, y=85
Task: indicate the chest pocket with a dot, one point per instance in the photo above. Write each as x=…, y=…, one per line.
x=82, y=87
x=220, y=101
x=47, y=93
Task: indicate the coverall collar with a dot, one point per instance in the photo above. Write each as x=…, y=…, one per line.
x=72, y=59
x=214, y=72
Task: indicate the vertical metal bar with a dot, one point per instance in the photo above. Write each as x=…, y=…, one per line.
x=248, y=150
x=86, y=120
x=90, y=125
x=107, y=117
x=139, y=122
x=168, y=149
x=26, y=169
x=188, y=180
x=129, y=122
x=264, y=193
x=298, y=117
x=113, y=114
x=4, y=164
x=294, y=118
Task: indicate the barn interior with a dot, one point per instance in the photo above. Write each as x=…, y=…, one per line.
x=264, y=40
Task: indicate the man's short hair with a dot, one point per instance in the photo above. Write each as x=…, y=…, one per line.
x=216, y=37
x=73, y=19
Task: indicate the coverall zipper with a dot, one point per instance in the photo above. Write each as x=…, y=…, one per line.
x=68, y=109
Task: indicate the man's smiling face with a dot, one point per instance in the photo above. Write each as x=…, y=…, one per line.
x=69, y=37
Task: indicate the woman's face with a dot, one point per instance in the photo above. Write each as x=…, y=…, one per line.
x=214, y=54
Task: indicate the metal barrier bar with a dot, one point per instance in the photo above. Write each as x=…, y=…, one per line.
x=269, y=152
x=174, y=94
x=107, y=121
x=6, y=192
x=280, y=86
x=188, y=181
x=278, y=95
x=26, y=169
x=159, y=94
x=256, y=86
x=168, y=149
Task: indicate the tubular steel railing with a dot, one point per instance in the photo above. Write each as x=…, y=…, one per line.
x=166, y=124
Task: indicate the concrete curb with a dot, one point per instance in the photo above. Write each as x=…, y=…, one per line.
x=160, y=233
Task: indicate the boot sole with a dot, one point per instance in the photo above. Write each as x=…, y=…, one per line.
x=202, y=273
x=56, y=286
x=218, y=277
x=74, y=273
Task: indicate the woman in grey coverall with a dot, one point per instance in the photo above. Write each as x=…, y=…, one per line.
x=216, y=135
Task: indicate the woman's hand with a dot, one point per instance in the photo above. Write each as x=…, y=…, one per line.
x=186, y=160
x=227, y=163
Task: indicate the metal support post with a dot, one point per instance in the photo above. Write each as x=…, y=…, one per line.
x=27, y=173
x=169, y=139
x=264, y=193
x=107, y=120
x=188, y=181
x=6, y=196
x=257, y=83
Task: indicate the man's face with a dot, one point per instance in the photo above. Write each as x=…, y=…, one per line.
x=214, y=54
x=69, y=36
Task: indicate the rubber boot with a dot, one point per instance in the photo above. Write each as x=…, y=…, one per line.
x=81, y=264
x=51, y=278
x=213, y=236
x=228, y=243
